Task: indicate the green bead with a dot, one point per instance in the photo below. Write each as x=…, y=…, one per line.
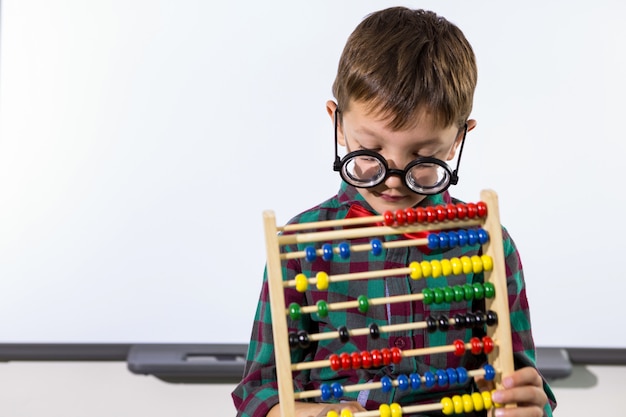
x=459, y=293
x=469, y=292
x=294, y=311
x=429, y=297
x=490, y=290
x=479, y=292
x=322, y=308
x=364, y=303
x=448, y=294
x=439, y=297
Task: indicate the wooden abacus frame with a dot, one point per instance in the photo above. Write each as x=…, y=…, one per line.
x=501, y=357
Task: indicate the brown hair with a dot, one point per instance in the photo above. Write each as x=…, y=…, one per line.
x=402, y=61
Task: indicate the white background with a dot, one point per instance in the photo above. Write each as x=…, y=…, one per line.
x=141, y=140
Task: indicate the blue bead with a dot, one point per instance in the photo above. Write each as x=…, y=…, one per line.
x=462, y=237
x=462, y=372
x=444, y=240
x=416, y=381
x=387, y=384
x=327, y=252
x=403, y=382
x=326, y=392
x=483, y=236
x=490, y=373
x=442, y=378
x=309, y=253
x=337, y=389
x=377, y=247
x=429, y=379
x=473, y=237
x=344, y=250
x=453, y=376
x=433, y=241
x=453, y=239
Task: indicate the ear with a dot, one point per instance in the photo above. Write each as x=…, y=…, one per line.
x=471, y=124
x=331, y=108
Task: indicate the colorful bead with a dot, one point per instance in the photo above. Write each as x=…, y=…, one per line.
x=396, y=410
x=310, y=254
x=337, y=389
x=448, y=294
x=492, y=318
x=356, y=359
x=483, y=236
x=386, y=384
x=435, y=266
x=302, y=283
x=477, y=264
x=303, y=339
x=453, y=376
x=459, y=347
x=453, y=239
x=429, y=379
x=463, y=375
x=460, y=321
x=479, y=291
x=396, y=355
x=490, y=290
x=488, y=344
x=431, y=214
x=377, y=358
x=451, y=211
x=364, y=303
x=344, y=334
x=426, y=269
x=411, y=216
x=439, y=295
x=386, y=354
x=457, y=266
x=321, y=281
x=344, y=250
x=403, y=382
x=459, y=293
x=477, y=399
x=346, y=413
x=415, y=380
x=420, y=214
x=442, y=213
x=444, y=240
x=487, y=400
x=428, y=295
x=431, y=324
x=326, y=392
x=322, y=308
x=384, y=410
x=442, y=377
x=416, y=270
x=335, y=362
x=446, y=267
x=332, y=413
x=463, y=238
x=461, y=211
x=481, y=209
x=374, y=331
x=458, y=404
x=469, y=292
x=327, y=252
x=443, y=323
x=447, y=406
x=433, y=241
x=293, y=340
x=400, y=217
x=366, y=359
x=477, y=346
x=487, y=262
x=472, y=210
x=468, y=404
x=346, y=361
x=472, y=237
x=470, y=320
x=294, y=311
x=467, y=264
x=388, y=218
x=377, y=247
x=490, y=372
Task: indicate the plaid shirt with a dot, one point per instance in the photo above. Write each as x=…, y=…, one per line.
x=257, y=392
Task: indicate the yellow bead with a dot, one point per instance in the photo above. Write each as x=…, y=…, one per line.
x=447, y=406
x=435, y=266
x=458, y=404
x=477, y=264
x=346, y=413
x=396, y=410
x=302, y=283
x=467, y=264
x=332, y=413
x=478, y=401
x=427, y=269
x=457, y=266
x=416, y=270
x=322, y=281
x=385, y=410
x=446, y=267
x=487, y=400
x=468, y=404
x=487, y=262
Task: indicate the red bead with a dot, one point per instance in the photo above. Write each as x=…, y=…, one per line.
x=396, y=355
x=400, y=217
x=451, y=211
x=477, y=347
x=377, y=357
x=389, y=218
x=386, y=353
x=366, y=359
x=488, y=344
x=356, y=360
x=431, y=214
x=346, y=362
x=459, y=347
x=411, y=217
x=481, y=206
x=420, y=214
x=335, y=362
x=461, y=211
x=442, y=213
x=472, y=210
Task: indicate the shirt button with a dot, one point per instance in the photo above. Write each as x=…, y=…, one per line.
x=400, y=343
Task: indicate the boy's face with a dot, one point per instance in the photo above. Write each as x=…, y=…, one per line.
x=362, y=129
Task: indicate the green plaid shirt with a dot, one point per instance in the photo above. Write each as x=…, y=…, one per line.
x=257, y=392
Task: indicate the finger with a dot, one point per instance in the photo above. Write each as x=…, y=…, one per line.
x=523, y=376
x=525, y=395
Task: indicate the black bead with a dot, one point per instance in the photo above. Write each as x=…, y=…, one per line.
x=293, y=340
x=303, y=339
x=459, y=321
x=444, y=323
x=431, y=324
x=492, y=318
x=344, y=334
x=480, y=319
x=471, y=320
x=374, y=331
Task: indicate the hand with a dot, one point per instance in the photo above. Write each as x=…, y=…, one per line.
x=317, y=409
x=523, y=387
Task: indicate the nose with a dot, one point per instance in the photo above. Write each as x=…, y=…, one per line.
x=394, y=175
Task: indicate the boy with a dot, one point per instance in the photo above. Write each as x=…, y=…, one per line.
x=404, y=92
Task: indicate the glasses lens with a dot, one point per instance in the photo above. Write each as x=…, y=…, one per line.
x=363, y=170
x=428, y=177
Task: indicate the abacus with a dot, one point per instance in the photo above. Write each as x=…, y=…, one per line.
x=444, y=226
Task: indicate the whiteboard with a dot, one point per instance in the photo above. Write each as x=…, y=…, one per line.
x=140, y=142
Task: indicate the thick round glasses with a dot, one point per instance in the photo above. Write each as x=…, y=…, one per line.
x=423, y=175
